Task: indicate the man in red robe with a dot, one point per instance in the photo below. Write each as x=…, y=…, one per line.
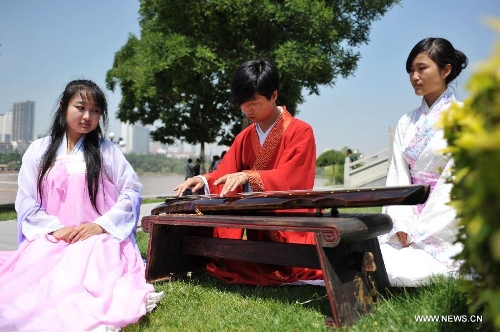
x=276, y=152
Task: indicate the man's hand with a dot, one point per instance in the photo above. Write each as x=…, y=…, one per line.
x=231, y=182
x=196, y=183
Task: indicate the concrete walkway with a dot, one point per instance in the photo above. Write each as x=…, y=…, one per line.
x=8, y=229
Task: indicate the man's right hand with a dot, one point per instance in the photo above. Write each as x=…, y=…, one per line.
x=195, y=183
x=231, y=182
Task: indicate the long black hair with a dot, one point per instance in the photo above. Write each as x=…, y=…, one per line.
x=90, y=92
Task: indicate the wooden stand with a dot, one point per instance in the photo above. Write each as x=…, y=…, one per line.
x=346, y=250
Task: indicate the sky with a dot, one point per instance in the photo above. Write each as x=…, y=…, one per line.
x=46, y=44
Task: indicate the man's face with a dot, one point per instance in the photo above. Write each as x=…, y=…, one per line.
x=260, y=109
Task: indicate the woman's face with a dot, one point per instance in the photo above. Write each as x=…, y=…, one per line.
x=82, y=116
x=427, y=78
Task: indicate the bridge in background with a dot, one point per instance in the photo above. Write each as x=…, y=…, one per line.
x=371, y=170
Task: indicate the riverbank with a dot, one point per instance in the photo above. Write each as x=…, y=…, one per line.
x=152, y=185
x=159, y=185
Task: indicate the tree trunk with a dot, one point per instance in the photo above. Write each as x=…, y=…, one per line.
x=203, y=170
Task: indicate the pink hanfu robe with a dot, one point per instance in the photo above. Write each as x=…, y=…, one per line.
x=285, y=161
x=50, y=285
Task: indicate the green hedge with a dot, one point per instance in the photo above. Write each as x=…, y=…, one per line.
x=6, y=207
x=473, y=135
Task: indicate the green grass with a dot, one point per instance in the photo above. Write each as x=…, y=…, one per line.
x=204, y=303
x=8, y=214
x=374, y=209
x=153, y=200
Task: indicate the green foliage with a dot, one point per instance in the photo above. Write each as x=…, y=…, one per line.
x=12, y=160
x=204, y=303
x=332, y=161
x=331, y=157
x=178, y=72
x=155, y=163
x=7, y=212
x=473, y=135
x=332, y=164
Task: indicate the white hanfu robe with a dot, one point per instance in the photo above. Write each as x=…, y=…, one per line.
x=431, y=227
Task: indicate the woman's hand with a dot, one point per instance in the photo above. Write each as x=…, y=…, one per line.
x=196, y=183
x=403, y=238
x=63, y=234
x=83, y=231
x=231, y=182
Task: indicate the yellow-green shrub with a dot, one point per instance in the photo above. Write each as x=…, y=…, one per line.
x=473, y=135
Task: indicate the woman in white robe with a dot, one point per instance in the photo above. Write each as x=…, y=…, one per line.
x=422, y=240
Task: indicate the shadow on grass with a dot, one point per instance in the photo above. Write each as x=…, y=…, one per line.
x=237, y=307
x=206, y=303
x=307, y=296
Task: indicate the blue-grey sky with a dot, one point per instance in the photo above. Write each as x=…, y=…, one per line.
x=46, y=44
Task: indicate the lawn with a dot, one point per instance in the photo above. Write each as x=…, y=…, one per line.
x=203, y=303
x=7, y=212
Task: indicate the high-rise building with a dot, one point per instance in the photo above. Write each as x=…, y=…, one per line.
x=23, y=121
x=135, y=138
x=6, y=127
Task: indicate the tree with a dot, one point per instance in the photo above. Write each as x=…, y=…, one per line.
x=331, y=157
x=177, y=74
x=332, y=161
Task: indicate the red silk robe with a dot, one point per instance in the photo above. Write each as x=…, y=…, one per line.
x=286, y=161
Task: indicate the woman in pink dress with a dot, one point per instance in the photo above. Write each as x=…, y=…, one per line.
x=78, y=267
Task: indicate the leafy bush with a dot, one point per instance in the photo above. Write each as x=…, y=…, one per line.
x=473, y=135
x=332, y=162
x=11, y=159
x=155, y=163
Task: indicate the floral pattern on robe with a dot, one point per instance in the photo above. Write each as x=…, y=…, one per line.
x=418, y=159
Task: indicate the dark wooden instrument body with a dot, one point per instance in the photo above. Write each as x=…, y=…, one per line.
x=295, y=199
x=347, y=249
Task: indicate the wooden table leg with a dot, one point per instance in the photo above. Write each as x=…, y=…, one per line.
x=351, y=291
x=165, y=256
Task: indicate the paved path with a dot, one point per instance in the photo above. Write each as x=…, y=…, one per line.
x=8, y=229
x=8, y=235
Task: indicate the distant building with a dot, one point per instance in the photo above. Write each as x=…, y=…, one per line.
x=23, y=121
x=6, y=127
x=135, y=138
x=6, y=147
x=17, y=127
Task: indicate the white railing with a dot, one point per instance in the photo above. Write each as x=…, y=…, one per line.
x=369, y=171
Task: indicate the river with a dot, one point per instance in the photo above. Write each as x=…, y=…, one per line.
x=153, y=185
